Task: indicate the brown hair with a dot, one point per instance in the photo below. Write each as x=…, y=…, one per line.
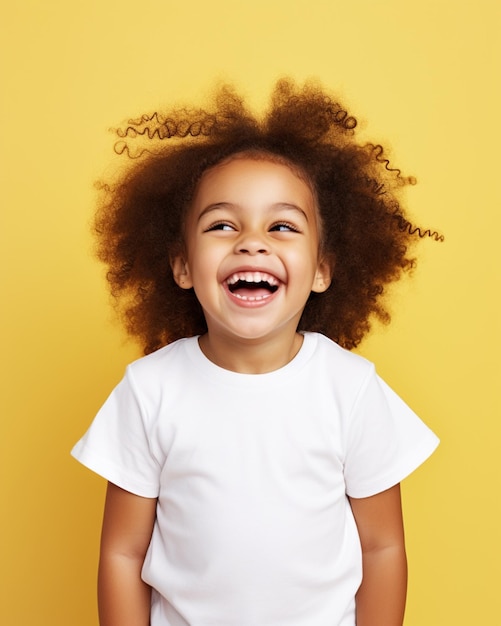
x=140, y=219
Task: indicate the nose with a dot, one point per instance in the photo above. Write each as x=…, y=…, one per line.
x=252, y=243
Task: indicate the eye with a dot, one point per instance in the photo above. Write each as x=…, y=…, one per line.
x=219, y=226
x=284, y=227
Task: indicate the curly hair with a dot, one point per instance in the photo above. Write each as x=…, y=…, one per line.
x=141, y=217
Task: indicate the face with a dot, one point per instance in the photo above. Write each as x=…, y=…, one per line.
x=252, y=250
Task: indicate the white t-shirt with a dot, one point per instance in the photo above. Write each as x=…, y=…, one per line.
x=252, y=474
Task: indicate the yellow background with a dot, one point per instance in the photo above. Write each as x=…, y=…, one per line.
x=422, y=77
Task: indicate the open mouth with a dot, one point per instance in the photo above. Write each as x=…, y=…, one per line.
x=252, y=285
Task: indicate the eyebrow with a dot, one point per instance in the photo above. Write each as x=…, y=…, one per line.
x=289, y=206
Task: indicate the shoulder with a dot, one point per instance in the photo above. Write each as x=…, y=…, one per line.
x=162, y=356
x=155, y=380
x=337, y=374
x=162, y=365
x=327, y=353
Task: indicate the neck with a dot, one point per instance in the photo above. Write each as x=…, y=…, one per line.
x=251, y=357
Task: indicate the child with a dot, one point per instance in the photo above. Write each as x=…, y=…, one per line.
x=253, y=461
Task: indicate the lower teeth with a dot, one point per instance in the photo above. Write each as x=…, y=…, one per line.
x=250, y=298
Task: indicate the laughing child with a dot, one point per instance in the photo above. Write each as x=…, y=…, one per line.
x=253, y=462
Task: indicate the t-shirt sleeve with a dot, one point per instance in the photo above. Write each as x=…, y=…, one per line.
x=386, y=440
x=117, y=444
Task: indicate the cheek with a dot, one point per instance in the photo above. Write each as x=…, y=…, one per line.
x=204, y=259
x=305, y=258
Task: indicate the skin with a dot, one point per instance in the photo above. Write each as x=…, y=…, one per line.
x=380, y=600
x=123, y=598
x=255, y=220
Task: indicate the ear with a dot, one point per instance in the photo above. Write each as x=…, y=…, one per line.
x=323, y=275
x=181, y=272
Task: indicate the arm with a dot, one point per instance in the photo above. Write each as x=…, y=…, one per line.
x=124, y=599
x=381, y=597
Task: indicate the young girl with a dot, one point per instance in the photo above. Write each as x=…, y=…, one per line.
x=253, y=462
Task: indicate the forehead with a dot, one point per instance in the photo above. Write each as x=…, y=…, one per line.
x=258, y=177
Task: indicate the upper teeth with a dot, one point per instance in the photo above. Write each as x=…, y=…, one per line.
x=252, y=277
